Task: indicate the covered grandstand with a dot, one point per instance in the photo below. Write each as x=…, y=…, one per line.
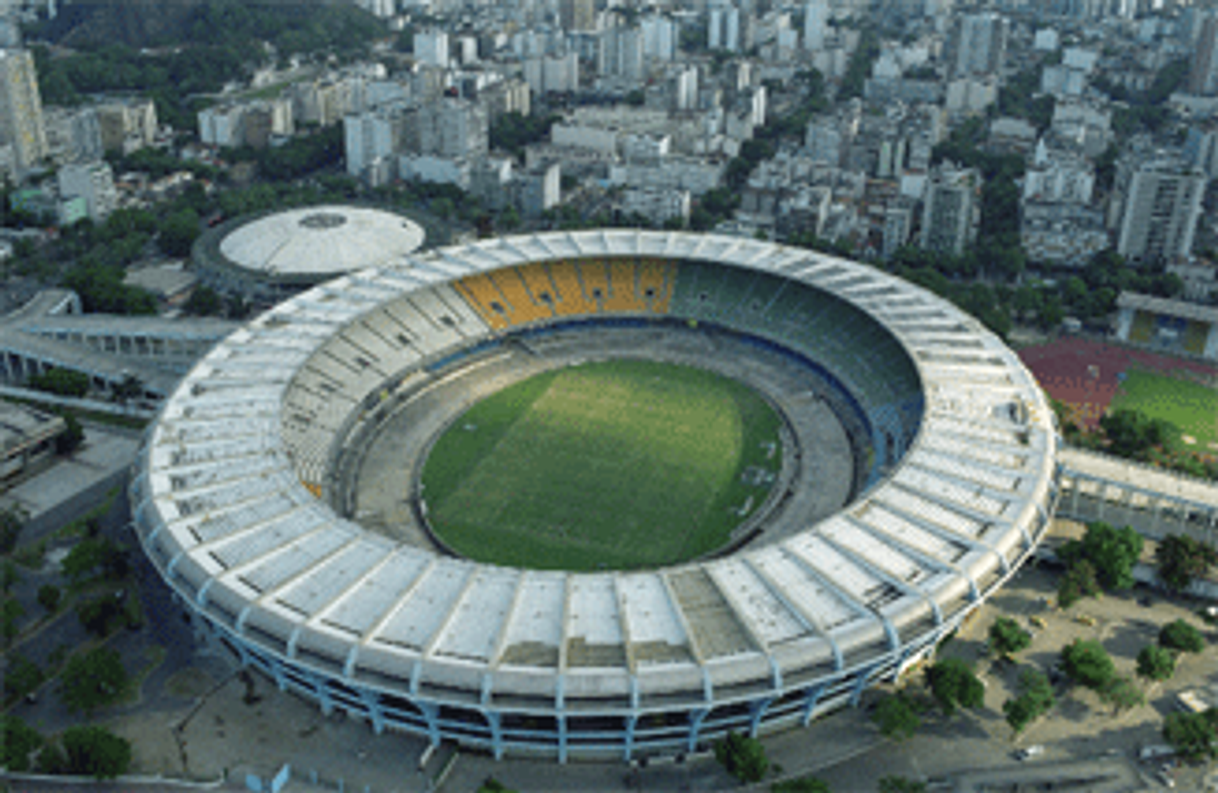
x=1173, y=326
x=233, y=502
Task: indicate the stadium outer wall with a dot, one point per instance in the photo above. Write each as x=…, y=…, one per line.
x=594, y=665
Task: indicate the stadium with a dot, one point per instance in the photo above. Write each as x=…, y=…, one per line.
x=909, y=472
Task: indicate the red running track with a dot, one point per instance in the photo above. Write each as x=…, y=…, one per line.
x=1083, y=374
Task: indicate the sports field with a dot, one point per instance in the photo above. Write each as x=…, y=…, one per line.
x=1191, y=406
x=611, y=465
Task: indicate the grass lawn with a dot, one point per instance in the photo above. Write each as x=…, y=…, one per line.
x=1190, y=406
x=613, y=465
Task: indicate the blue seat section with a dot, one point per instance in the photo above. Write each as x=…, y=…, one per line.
x=863, y=356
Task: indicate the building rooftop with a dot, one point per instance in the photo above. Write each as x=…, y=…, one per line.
x=322, y=239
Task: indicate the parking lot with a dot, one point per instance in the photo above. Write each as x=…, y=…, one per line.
x=1082, y=730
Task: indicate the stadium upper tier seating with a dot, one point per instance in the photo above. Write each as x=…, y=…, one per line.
x=387, y=342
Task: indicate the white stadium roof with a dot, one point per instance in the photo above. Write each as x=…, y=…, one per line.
x=322, y=240
x=223, y=511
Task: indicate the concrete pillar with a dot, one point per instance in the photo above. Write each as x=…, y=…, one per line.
x=756, y=713
x=431, y=713
x=696, y=717
x=814, y=695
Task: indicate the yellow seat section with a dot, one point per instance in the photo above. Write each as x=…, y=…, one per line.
x=595, y=278
x=1143, y=327
x=571, y=299
x=483, y=296
x=523, y=307
x=655, y=284
x=1195, y=334
x=623, y=295
x=541, y=288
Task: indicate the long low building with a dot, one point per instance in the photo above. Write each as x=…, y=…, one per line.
x=232, y=502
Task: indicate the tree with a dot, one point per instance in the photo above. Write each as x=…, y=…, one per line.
x=743, y=757
x=953, y=684
x=1087, y=663
x=130, y=387
x=899, y=784
x=1180, y=635
x=1007, y=637
x=93, y=679
x=21, y=677
x=896, y=717
x=1133, y=434
x=17, y=741
x=1192, y=734
x=1113, y=552
x=49, y=596
x=1122, y=693
x=203, y=302
x=1035, y=697
x=61, y=382
x=96, y=751
x=1156, y=663
x=12, y=521
x=1181, y=559
x=179, y=232
x=804, y=784
x=1077, y=582
x=10, y=612
x=72, y=437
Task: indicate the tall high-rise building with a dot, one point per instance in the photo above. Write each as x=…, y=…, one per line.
x=577, y=15
x=431, y=48
x=816, y=16
x=1160, y=205
x=723, y=31
x=368, y=137
x=1203, y=71
x=659, y=37
x=619, y=53
x=21, y=124
x=979, y=44
x=949, y=212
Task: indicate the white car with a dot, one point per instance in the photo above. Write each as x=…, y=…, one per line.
x=1030, y=752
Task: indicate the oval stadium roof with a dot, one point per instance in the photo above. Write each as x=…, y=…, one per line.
x=322, y=240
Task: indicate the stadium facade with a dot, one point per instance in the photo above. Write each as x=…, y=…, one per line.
x=232, y=502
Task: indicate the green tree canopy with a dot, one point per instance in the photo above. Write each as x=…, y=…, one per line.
x=1156, y=663
x=804, y=784
x=954, y=685
x=1181, y=559
x=900, y=784
x=1192, y=735
x=92, y=679
x=1077, y=582
x=1008, y=637
x=17, y=741
x=743, y=757
x=1122, y=693
x=97, y=752
x=1180, y=635
x=1088, y=663
x=62, y=382
x=896, y=717
x=1113, y=552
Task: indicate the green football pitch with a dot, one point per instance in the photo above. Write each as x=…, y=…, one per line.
x=621, y=465
x=1191, y=406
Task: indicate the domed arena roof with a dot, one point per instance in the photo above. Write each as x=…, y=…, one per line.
x=321, y=240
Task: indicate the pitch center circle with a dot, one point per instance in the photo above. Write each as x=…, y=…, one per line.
x=618, y=464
